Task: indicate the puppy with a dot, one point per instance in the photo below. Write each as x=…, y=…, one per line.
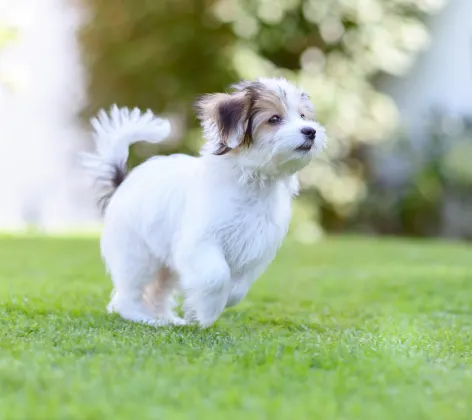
x=205, y=226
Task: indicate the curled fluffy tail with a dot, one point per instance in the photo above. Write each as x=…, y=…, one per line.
x=113, y=134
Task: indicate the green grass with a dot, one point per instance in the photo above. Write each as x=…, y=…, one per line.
x=346, y=329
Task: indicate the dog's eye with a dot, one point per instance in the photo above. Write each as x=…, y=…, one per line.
x=302, y=116
x=275, y=119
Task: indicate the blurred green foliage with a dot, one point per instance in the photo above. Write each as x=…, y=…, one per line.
x=154, y=54
x=433, y=197
x=161, y=54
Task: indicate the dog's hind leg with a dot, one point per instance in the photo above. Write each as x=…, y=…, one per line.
x=128, y=300
x=160, y=296
x=133, y=269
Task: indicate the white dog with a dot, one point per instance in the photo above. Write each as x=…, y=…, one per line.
x=207, y=226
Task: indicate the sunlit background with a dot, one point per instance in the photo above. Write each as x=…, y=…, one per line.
x=391, y=80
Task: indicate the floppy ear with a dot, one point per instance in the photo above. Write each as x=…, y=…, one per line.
x=227, y=114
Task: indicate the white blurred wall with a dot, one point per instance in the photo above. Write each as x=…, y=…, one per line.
x=39, y=137
x=442, y=75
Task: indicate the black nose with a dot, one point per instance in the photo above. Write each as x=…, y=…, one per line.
x=310, y=133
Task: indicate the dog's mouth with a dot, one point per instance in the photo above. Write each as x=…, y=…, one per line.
x=305, y=147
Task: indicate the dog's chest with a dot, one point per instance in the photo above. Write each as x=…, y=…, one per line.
x=255, y=231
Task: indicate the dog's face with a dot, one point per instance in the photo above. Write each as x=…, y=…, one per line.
x=267, y=125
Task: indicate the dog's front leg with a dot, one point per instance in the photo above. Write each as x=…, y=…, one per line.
x=238, y=292
x=241, y=285
x=205, y=278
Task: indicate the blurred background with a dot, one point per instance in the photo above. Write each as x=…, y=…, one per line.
x=391, y=81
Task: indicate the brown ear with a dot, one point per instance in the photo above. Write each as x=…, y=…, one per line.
x=228, y=115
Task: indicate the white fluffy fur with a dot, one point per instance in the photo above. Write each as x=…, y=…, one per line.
x=207, y=226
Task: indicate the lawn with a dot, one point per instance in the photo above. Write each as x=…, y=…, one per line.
x=348, y=328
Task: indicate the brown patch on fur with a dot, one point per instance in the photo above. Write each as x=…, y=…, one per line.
x=155, y=294
x=265, y=103
x=241, y=112
x=228, y=113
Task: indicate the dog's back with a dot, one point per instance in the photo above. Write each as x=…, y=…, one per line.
x=148, y=205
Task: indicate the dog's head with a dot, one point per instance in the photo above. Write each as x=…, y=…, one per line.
x=267, y=125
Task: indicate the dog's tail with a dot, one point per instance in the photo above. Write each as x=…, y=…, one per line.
x=113, y=134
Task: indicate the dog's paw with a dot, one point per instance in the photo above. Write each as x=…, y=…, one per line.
x=178, y=321
x=205, y=324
